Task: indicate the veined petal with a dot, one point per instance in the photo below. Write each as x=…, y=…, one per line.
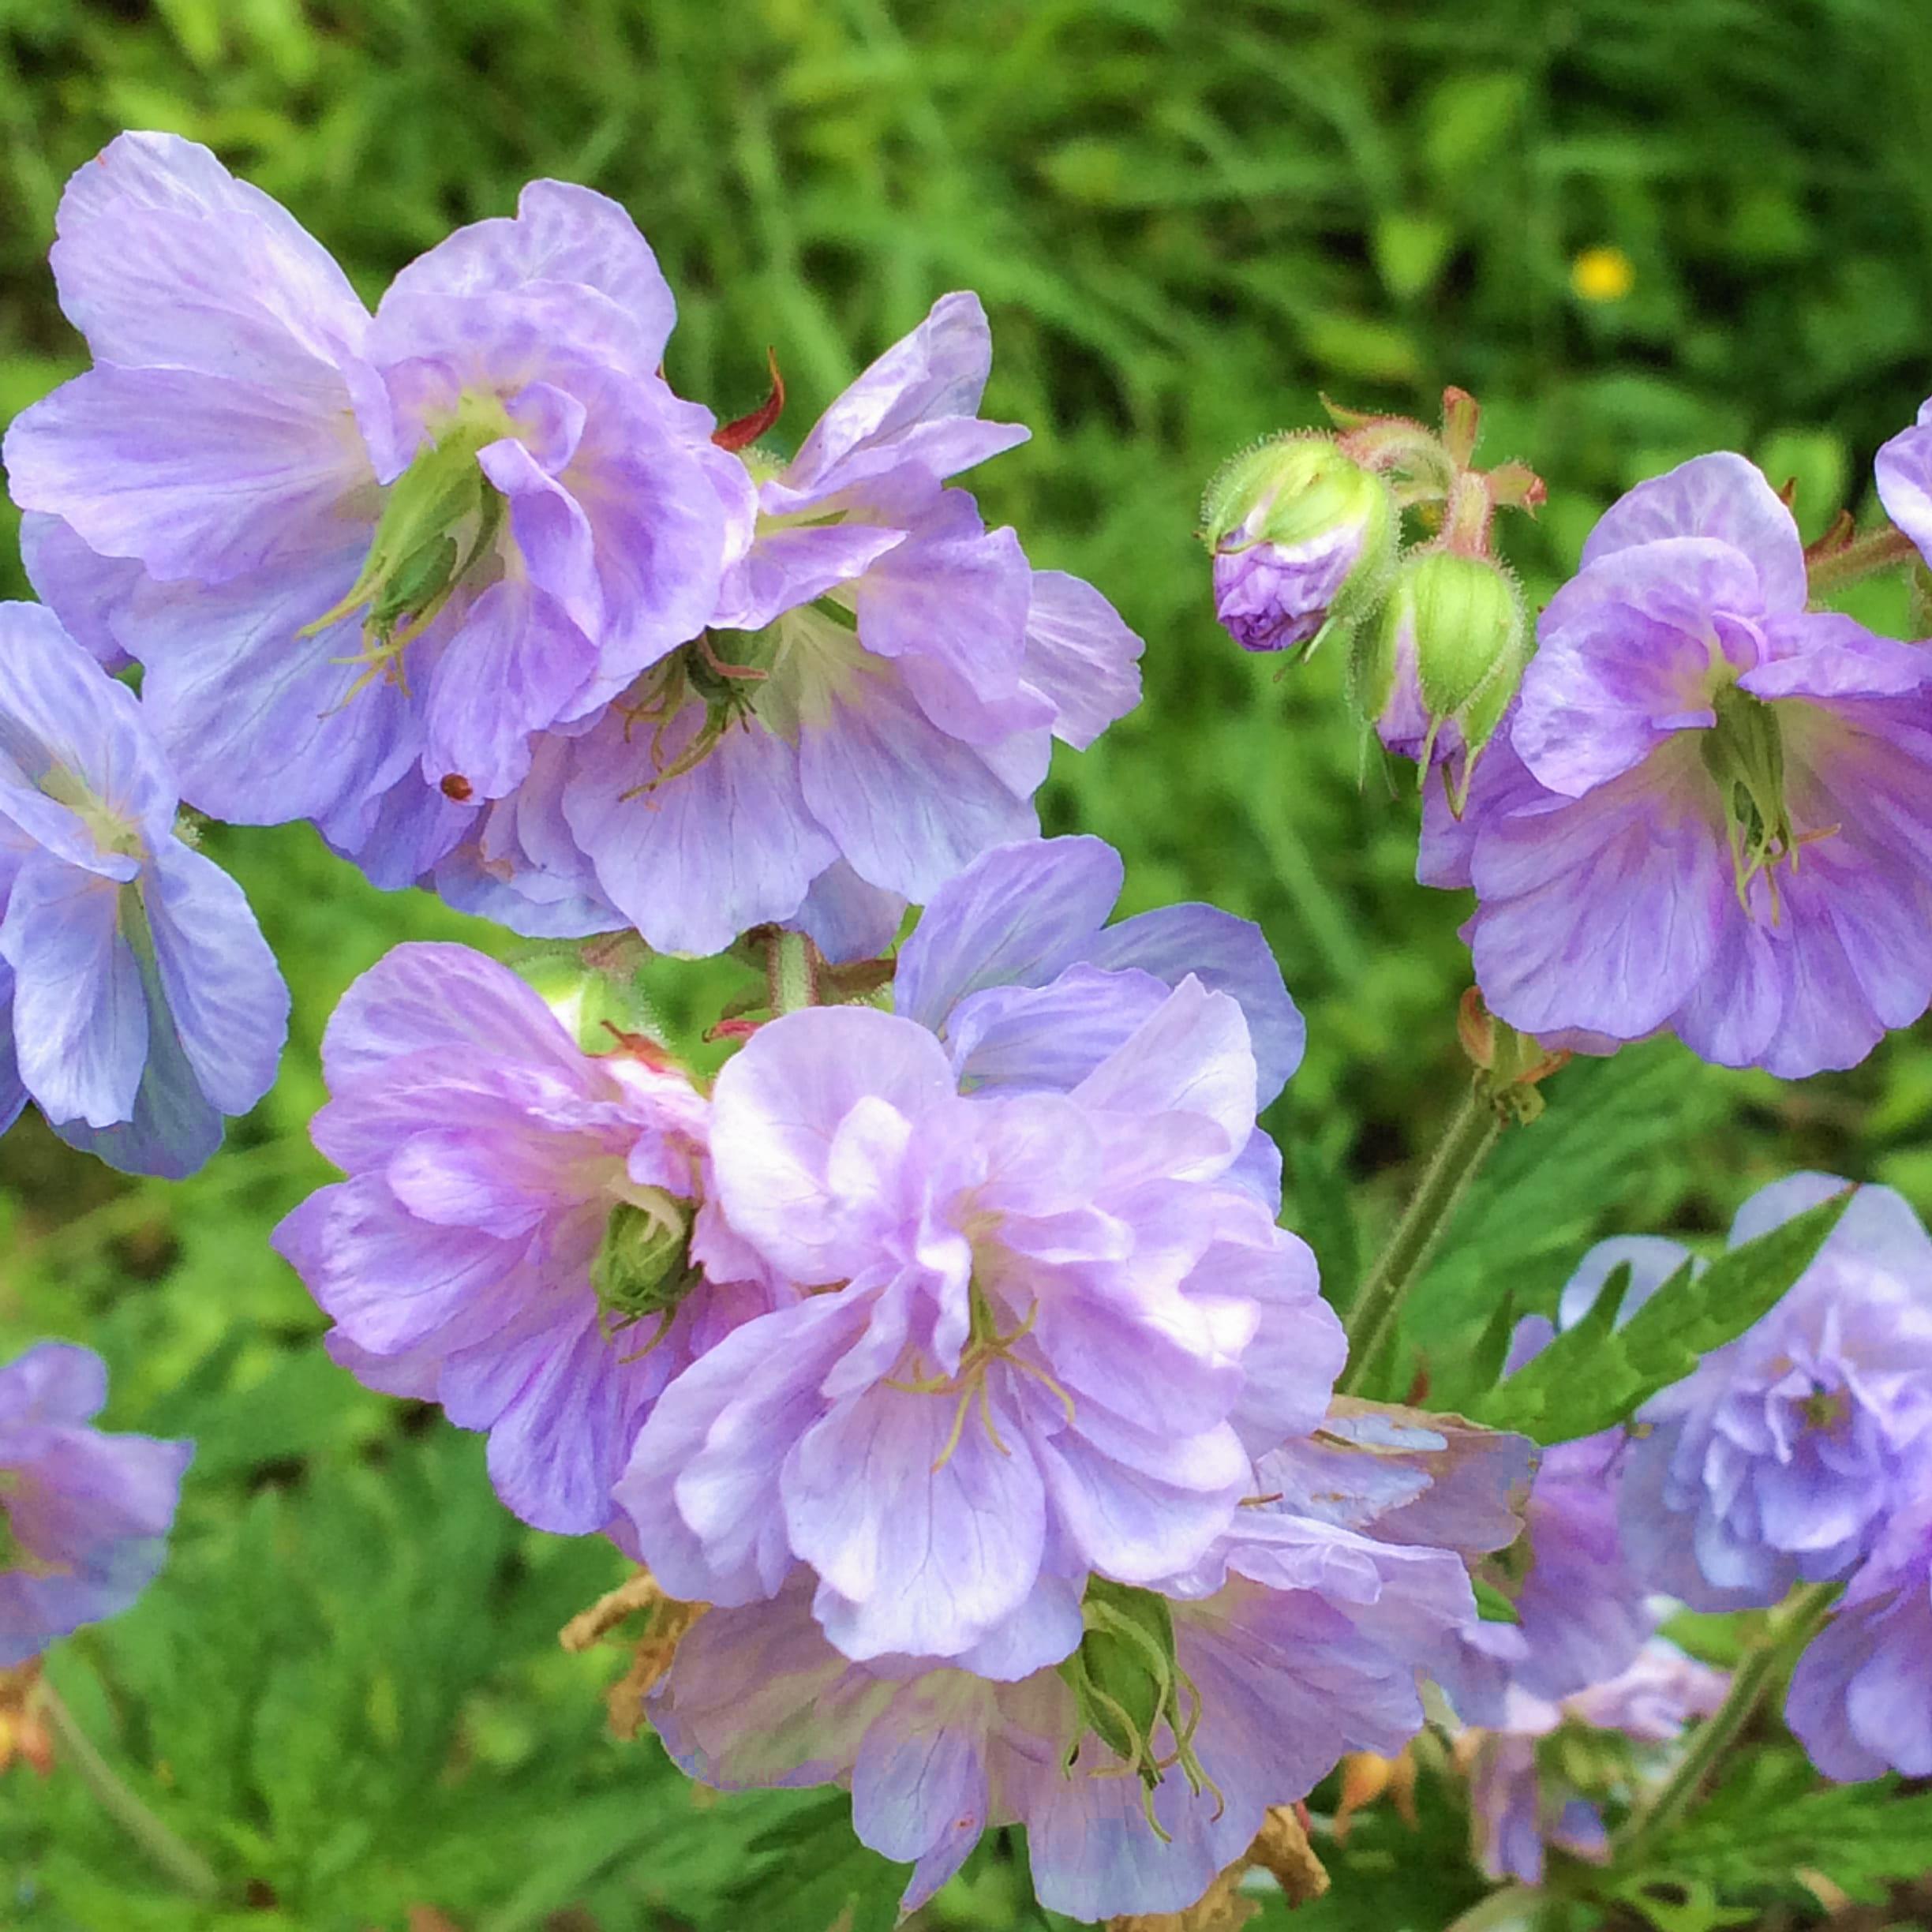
x=200, y=477
x=225, y=997
x=80, y=1011
x=713, y=853
x=909, y=806
x=1721, y=496
x=560, y=232
x=1016, y=917
x=777, y=1110
x=917, y=404
x=164, y=259
x=1081, y=656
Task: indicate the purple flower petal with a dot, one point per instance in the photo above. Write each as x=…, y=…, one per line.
x=1721, y=497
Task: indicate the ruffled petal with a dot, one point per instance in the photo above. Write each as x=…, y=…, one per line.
x=1721, y=496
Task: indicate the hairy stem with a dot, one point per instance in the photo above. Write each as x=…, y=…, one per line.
x=1472, y=1134
x=1865, y=556
x=1758, y=1672
x=792, y=966
x=182, y=1864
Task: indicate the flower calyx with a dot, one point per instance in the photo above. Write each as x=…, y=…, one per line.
x=440, y=519
x=642, y=1270
x=1130, y=1692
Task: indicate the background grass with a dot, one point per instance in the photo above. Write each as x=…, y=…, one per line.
x=1186, y=221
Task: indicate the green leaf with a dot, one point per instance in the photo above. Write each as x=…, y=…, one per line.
x=1594, y=1375
x=1771, y=1820
x=814, y=1876
x=1492, y=1605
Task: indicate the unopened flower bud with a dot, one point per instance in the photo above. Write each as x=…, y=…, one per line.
x=642, y=1267
x=1303, y=536
x=1435, y=669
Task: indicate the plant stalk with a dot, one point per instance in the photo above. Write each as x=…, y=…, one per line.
x=182, y=1864
x=791, y=966
x=1790, y=1629
x=1454, y=1164
x=1864, y=556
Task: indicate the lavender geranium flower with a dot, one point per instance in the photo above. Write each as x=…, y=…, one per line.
x=1781, y=1456
x=1142, y=1762
x=357, y=552
x=84, y=1515
x=1539, y=1777
x=1053, y=1334
x=1707, y=813
x=139, y=1003
x=526, y=1235
x=873, y=703
x=1861, y=1697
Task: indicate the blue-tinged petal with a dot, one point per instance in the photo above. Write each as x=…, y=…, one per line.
x=1051, y=1036
x=1081, y=656
x=80, y=1022
x=560, y=232
x=262, y=725
x=1016, y=917
x=708, y=854
x=909, y=806
x=89, y=593
x=513, y=663
x=917, y=405
x=164, y=259
x=201, y=477
x=1227, y=955
x=920, y=1551
x=225, y=996
x=429, y=997
x=846, y=919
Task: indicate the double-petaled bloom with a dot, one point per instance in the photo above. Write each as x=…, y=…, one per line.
x=1781, y=1457
x=1042, y=1322
x=872, y=703
x=527, y=1234
x=139, y=1003
x=1143, y=1760
x=364, y=558
x=1708, y=812
x=84, y=1515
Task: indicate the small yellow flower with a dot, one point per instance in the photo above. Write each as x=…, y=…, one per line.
x=1602, y=275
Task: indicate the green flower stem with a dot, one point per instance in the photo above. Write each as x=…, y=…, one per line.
x=1791, y=1628
x=1864, y=556
x=186, y=1866
x=1453, y=1167
x=792, y=965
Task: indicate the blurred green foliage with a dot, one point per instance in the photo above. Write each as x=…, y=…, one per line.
x=1187, y=220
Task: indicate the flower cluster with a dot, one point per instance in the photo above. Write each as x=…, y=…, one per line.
x=84, y=1515
x=467, y=583
x=952, y=1354
x=1799, y=1453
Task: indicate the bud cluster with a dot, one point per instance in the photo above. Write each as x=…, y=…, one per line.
x=1306, y=531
